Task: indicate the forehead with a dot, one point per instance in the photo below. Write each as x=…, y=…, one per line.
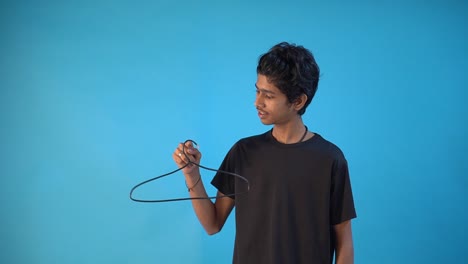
x=264, y=85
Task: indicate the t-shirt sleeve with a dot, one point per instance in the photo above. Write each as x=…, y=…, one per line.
x=341, y=200
x=225, y=183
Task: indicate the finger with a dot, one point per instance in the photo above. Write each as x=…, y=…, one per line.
x=191, y=145
x=190, y=148
x=187, y=148
x=178, y=155
x=195, y=152
x=177, y=159
x=185, y=155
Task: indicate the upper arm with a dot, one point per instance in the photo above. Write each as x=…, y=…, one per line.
x=343, y=232
x=223, y=207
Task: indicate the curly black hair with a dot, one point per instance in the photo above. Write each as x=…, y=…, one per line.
x=292, y=69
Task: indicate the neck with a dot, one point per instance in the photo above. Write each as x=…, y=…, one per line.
x=290, y=134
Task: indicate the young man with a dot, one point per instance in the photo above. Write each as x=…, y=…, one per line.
x=300, y=204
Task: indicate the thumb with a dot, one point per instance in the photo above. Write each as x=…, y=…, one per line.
x=192, y=151
x=195, y=152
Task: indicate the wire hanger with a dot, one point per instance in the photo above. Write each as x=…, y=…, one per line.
x=188, y=198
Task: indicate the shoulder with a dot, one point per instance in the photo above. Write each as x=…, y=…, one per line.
x=334, y=156
x=247, y=144
x=328, y=148
x=252, y=140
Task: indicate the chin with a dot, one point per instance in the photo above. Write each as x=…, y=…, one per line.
x=265, y=122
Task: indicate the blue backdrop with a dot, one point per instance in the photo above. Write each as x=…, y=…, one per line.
x=95, y=96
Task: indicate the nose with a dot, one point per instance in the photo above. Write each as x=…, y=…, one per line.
x=258, y=103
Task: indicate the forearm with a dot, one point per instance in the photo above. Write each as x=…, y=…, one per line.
x=345, y=254
x=211, y=215
x=204, y=208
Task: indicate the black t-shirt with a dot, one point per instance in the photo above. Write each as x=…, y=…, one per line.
x=297, y=193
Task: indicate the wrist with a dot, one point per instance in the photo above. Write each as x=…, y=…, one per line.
x=192, y=180
x=192, y=176
x=193, y=184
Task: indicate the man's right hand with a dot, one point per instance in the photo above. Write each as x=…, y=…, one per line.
x=191, y=154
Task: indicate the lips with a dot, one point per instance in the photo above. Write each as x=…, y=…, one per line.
x=261, y=114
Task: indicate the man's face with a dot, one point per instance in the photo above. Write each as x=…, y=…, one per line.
x=272, y=105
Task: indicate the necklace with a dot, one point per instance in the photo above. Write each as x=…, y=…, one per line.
x=302, y=138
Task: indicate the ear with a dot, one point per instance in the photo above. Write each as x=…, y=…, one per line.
x=300, y=102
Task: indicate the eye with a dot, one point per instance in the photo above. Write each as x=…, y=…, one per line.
x=264, y=94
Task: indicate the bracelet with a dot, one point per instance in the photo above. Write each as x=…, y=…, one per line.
x=191, y=188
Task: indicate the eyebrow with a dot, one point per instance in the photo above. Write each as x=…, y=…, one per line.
x=264, y=90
